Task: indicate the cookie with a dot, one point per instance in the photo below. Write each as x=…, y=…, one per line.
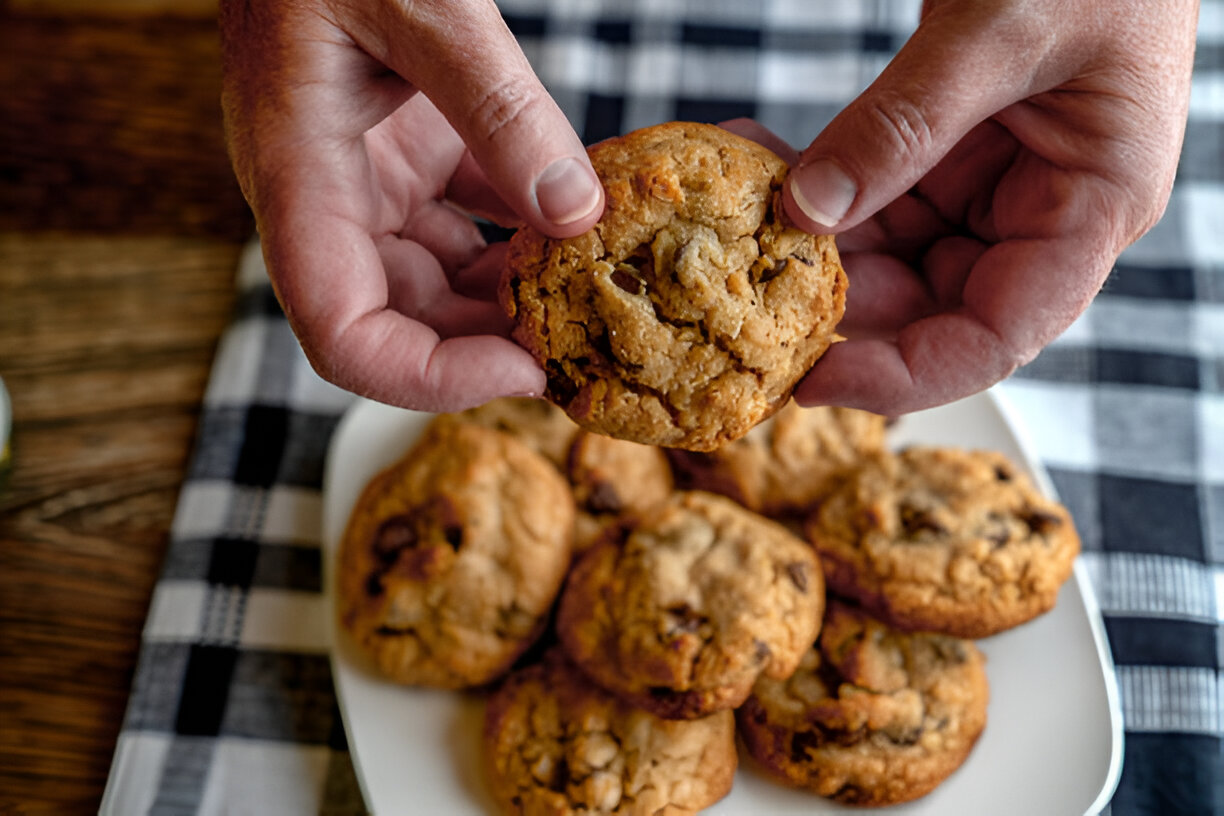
x=537, y=423
x=873, y=715
x=943, y=539
x=556, y=744
x=690, y=311
x=679, y=610
x=787, y=463
x=453, y=557
x=611, y=477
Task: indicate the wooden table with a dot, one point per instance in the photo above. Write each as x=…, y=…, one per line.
x=120, y=229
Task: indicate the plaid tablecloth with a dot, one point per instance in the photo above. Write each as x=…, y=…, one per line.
x=232, y=708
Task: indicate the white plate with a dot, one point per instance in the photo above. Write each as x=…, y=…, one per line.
x=1052, y=744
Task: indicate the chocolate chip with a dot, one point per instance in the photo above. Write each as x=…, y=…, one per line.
x=763, y=652
x=1041, y=521
x=916, y=520
x=374, y=585
x=603, y=498
x=799, y=575
x=686, y=619
x=802, y=742
x=1003, y=473
x=561, y=388
x=848, y=794
x=393, y=536
x=626, y=281
x=453, y=533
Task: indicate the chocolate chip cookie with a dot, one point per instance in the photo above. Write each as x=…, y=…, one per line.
x=690, y=311
x=947, y=540
x=453, y=557
x=680, y=609
x=611, y=477
x=787, y=463
x=873, y=716
x=537, y=423
x=556, y=744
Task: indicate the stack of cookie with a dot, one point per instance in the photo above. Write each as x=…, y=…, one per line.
x=631, y=610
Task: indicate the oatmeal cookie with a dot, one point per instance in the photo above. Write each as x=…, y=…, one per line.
x=943, y=539
x=555, y=744
x=537, y=423
x=611, y=477
x=680, y=609
x=787, y=463
x=690, y=311
x=453, y=557
x=873, y=716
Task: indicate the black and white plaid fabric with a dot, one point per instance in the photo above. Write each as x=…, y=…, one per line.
x=232, y=709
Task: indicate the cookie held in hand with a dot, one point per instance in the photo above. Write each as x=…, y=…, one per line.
x=690, y=311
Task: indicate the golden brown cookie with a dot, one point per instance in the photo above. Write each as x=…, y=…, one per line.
x=690, y=311
x=787, y=463
x=611, y=477
x=683, y=607
x=453, y=557
x=537, y=423
x=946, y=540
x=873, y=716
x=556, y=744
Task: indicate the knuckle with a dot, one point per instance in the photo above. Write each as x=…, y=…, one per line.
x=503, y=107
x=904, y=124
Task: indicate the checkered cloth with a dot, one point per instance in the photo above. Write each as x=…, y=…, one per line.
x=232, y=709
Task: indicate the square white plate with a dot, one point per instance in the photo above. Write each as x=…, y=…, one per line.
x=1052, y=744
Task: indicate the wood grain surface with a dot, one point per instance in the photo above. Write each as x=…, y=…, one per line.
x=120, y=230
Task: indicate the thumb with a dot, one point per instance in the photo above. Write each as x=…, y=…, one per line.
x=958, y=69
x=465, y=59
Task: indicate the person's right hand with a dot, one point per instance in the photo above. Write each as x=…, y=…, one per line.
x=983, y=186
x=355, y=129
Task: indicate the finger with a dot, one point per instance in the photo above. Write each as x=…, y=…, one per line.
x=480, y=278
x=449, y=235
x=884, y=295
x=950, y=76
x=337, y=300
x=417, y=287
x=755, y=131
x=1016, y=299
x=464, y=58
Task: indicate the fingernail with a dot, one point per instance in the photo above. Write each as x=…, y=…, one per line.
x=822, y=191
x=566, y=191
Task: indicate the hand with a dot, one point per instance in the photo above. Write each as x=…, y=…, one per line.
x=356, y=131
x=985, y=184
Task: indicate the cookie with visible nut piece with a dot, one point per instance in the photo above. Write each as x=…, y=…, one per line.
x=453, y=557
x=680, y=609
x=944, y=539
x=690, y=311
x=783, y=466
x=557, y=744
x=873, y=715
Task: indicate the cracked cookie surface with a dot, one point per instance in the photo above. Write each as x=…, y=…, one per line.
x=873, y=716
x=556, y=744
x=453, y=557
x=680, y=609
x=690, y=311
x=944, y=539
x=787, y=463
